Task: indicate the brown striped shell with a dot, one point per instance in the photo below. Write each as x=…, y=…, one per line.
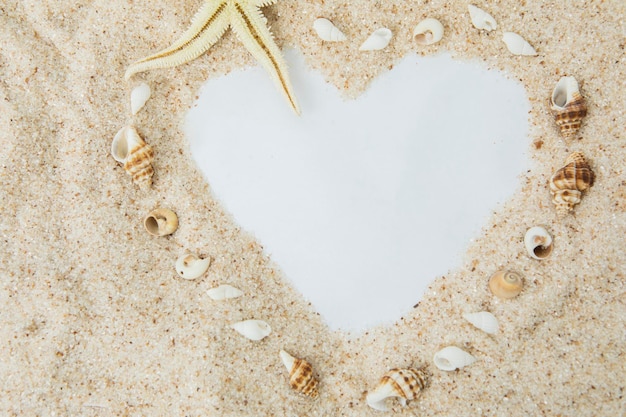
x=301, y=376
x=568, y=183
x=568, y=106
x=131, y=150
x=405, y=384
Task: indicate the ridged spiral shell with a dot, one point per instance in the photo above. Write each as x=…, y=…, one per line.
x=568, y=183
x=405, y=384
x=135, y=154
x=568, y=106
x=301, y=376
x=506, y=284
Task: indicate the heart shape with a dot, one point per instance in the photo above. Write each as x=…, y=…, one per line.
x=363, y=203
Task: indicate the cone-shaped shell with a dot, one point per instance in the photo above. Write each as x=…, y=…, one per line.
x=428, y=31
x=506, y=284
x=538, y=243
x=136, y=155
x=568, y=106
x=300, y=375
x=190, y=266
x=405, y=384
x=481, y=19
x=518, y=45
x=138, y=97
x=161, y=222
x=224, y=292
x=568, y=183
x=377, y=40
x=253, y=329
x=327, y=31
x=451, y=358
x=484, y=321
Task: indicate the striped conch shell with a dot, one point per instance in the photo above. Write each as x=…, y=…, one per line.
x=300, y=375
x=568, y=106
x=130, y=149
x=405, y=384
x=568, y=183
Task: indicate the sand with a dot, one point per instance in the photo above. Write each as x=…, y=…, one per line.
x=94, y=321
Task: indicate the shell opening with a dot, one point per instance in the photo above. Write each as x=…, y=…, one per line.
x=542, y=251
x=152, y=225
x=425, y=38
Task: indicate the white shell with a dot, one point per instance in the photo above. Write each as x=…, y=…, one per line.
x=451, y=358
x=377, y=40
x=481, y=19
x=224, y=292
x=124, y=141
x=138, y=97
x=538, y=243
x=327, y=31
x=483, y=320
x=428, y=31
x=287, y=359
x=518, y=45
x=190, y=266
x=564, y=92
x=253, y=329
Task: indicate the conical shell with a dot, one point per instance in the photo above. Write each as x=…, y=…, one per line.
x=138, y=97
x=451, y=358
x=481, y=19
x=506, y=284
x=300, y=375
x=405, y=384
x=253, y=329
x=568, y=183
x=379, y=39
x=130, y=149
x=224, y=292
x=483, y=320
x=327, y=31
x=518, y=45
x=568, y=106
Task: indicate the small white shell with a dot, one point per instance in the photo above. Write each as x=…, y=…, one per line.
x=538, y=243
x=451, y=358
x=518, y=45
x=428, y=31
x=483, y=320
x=224, y=292
x=253, y=329
x=377, y=40
x=190, y=266
x=481, y=19
x=327, y=31
x=138, y=97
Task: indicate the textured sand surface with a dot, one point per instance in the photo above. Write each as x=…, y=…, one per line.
x=94, y=321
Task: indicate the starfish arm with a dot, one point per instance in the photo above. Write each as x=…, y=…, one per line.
x=251, y=29
x=207, y=26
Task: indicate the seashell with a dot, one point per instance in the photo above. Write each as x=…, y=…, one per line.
x=190, y=266
x=568, y=183
x=506, y=284
x=568, y=106
x=451, y=358
x=253, y=329
x=129, y=149
x=161, y=222
x=481, y=19
x=405, y=384
x=428, y=31
x=377, y=40
x=483, y=320
x=300, y=375
x=518, y=45
x=538, y=243
x=327, y=31
x=224, y=292
x=138, y=97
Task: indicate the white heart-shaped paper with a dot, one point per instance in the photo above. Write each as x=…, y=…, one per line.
x=362, y=203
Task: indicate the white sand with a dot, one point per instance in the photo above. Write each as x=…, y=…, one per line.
x=94, y=321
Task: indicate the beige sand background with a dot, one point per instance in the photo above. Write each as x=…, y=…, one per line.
x=95, y=322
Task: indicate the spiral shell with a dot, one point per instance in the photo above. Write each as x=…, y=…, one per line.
x=327, y=31
x=481, y=19
x=136, y=155
x=506, y=284
x=518, y=45
x=252, y=329
x=451, y=358
x=568, y=183
x=379, y=39
x=138, y=97
x=568, y=106
x=428, y=31
x=405, y=384
x=538, y=243
x=484, y=321
x=300, y=375
x=161, y=222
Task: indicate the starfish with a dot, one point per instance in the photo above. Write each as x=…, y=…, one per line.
x=208, y=26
